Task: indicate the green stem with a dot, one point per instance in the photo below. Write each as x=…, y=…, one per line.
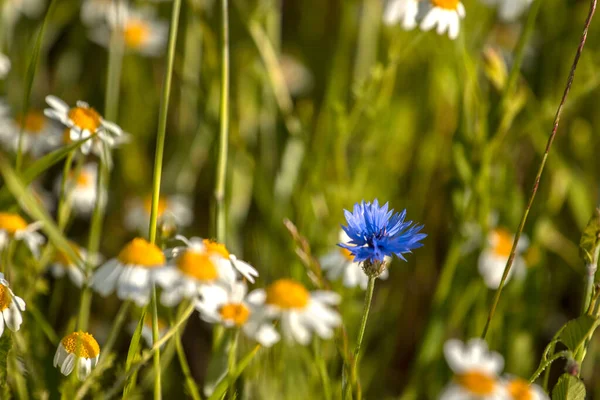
x=84, y=309
x=545, y=364
x=223, y=127
x=115, y=329
x=536, y=183
x=155, y=337
x=185, y=368
x=590, y=270
x=322, y=367
x=232, y=361
x=361, y=334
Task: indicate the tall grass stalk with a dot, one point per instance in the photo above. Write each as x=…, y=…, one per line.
x=221, y=217
x=541, y=167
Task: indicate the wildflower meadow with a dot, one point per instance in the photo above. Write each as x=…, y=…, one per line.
x=299, y=199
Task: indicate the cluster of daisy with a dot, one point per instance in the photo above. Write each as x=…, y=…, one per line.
x=444, y=15
x=477, y=375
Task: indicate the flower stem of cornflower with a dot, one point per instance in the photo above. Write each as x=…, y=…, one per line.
x=361, y=333
x=31, y=68
x=223, y=127
x=536, y=183
x=158, y=164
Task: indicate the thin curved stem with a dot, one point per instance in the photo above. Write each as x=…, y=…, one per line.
x=541, y=167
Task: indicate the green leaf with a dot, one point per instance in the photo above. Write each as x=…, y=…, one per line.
x=36, y=169
x=218, y=366
x=590, y=238
x=568, y=387
x=5, y=346
x=576, y=331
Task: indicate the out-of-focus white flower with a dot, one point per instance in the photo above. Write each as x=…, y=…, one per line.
x=140, y=31
x=11, y=307
x=520, y=389
x=82, y=188
x=404, y=11
x=4, y=66
x=173, y=210
x=83, y=121
x=340, y=262
x=13, y=9
x=14, y=227
x=40, y=135
x=446, y=15
x=475, y=372
x=131, y=273
x=63, y=264
x=98, y=11
x=495, y=255
x=229, y=307
x=200, y=263
x=298, y=78
x=301, y=312
x=509, y=10
x=78, y=349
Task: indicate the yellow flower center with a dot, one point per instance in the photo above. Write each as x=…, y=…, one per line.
x=85, y=118
x=503, y=242
x=477, y=382
x=83, y=179
x=12, y=223
x=33, y=122
x=64, y=259
x=162, y=205
x=82, y=344
x=347, y=254
x=236, y=312
x=141, y=253
x=519, y=389
x=5, y=297
x=446, y=4
x=198, y=265
x=213, y=247
x=287, y=294
x=136, y=33
x=148, y=322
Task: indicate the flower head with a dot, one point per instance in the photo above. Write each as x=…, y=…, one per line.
x=11, y=307
x=81, y=187
x=405, y=11
x=520, y=389
x=77, y=349
x=493, y=258
x=446, y=15
x=376, y=232
x=63, y=264
x=509, y=10
x=173, y=211
x=14, y=227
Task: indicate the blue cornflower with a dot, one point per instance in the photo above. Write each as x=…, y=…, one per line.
x=376, y=233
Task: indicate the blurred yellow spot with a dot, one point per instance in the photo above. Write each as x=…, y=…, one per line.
x=141, y=253
x=502, y=241
x=82, y=344
x=476, y=382
x=136, y=33
x=236, y=312
x=519, y=389
x=12, y=223
x=33, y=122
x=198, y=265
x=213, y=247
x=346, y=253
x=446, y=4
x=85, y=118
x=162, y=205
x=148, y=322
x=64, y=259
x=287, y=294
x=5, y=297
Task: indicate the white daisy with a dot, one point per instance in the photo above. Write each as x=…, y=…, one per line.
x=77, y=349
x=173, y=211
x=98, y=11
x=82, y=188
x=404, y=11
x=13, y=9
x=140, y=31
x=11, y=307
x=131, y=273
x=495, y=255
x=475, y=372
x=4, y=66
x=509, y=10
x=40, y=135
x=200, y=263
x=301, y=312
x=14, y=227
x=520, y=389
x=63, y=264
x=340, y=262
x=83, y=121
x=229, y=307
x=446, y=15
